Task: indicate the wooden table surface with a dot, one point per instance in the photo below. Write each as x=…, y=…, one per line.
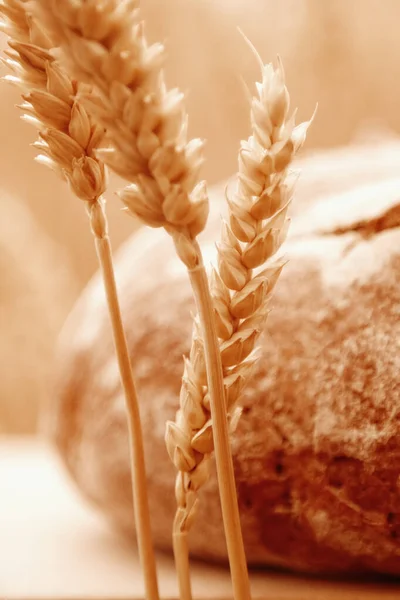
x=53, y=545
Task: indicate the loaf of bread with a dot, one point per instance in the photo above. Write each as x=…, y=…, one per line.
x=317, y=450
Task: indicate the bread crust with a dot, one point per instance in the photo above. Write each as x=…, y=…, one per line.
x=317, y=451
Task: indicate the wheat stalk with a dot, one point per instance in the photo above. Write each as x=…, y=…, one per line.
x=146, y=126
x=68, y=140
x=258, y=225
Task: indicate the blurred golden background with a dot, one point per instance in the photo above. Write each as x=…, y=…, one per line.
x=345, y=55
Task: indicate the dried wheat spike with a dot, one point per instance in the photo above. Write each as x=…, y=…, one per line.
x=146, y=124
x=258, y=225
x=67, y=137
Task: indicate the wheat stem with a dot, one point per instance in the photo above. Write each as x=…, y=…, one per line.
x=182, y=562
x=139, y=485
x=68, y=139
x=223, y=456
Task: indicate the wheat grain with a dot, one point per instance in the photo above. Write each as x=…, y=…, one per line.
x=68, y=139
x=146, y=128
x=17, y=23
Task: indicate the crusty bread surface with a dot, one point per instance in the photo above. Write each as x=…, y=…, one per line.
x=317, y=450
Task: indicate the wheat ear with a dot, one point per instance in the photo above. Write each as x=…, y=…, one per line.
x=258, y=226
x=68, y=140
x=146, y=127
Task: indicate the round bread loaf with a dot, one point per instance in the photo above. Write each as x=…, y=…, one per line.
x=317, y=450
